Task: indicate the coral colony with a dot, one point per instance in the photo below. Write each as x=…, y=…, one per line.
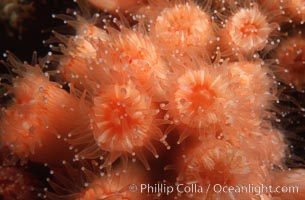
x=157, y=100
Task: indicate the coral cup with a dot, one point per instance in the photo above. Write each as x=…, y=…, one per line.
x=291, y=57
x=246, y=32
x=87, y=183
x=182, y=28
x=123, y=121
x=25, y=131
x=41, y=113
x=216, y=164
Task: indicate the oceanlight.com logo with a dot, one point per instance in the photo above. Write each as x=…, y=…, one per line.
x=165, y=189
x=255, y=189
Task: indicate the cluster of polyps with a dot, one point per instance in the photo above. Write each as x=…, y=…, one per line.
x=181, y=70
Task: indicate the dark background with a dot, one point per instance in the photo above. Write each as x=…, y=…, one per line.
x=37, y=29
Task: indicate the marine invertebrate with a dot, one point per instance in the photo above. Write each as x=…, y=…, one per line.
x=183, y=27
x=252, y=83
x=200, y=102
x=79, y=50
x=290, y=56
x=261, y=142
x=26, y=135
x=133, y=55
x=296, y=10
x=217, y=162
x=246, y=32
x=89, y=182
x=123, y=121
x=130, y=78
x=32, y=119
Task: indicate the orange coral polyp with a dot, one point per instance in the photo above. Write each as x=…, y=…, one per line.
x=296, y=10
x=252, y=84
x=115, y=185
x=183, y=27
x=275, y=153
x=123, y=119
x=198, y=98
x=28, y=134
x=219, y=162
x=248, y=31
x=89, y=31
x=214, y=156
x=110, y=188
x=254, y=28
x=125, y=47
x=82, y=48
x=33, y=122
x=57, y=102
x=74, y=66
x=79, y=51
x=23, y=129
x=27, y=84
x=202, y=97
x=74, y=69
x=34, y=86
x=133, y=55
x=291, y=57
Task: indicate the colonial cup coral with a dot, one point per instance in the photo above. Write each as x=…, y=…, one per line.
x=158, y=100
